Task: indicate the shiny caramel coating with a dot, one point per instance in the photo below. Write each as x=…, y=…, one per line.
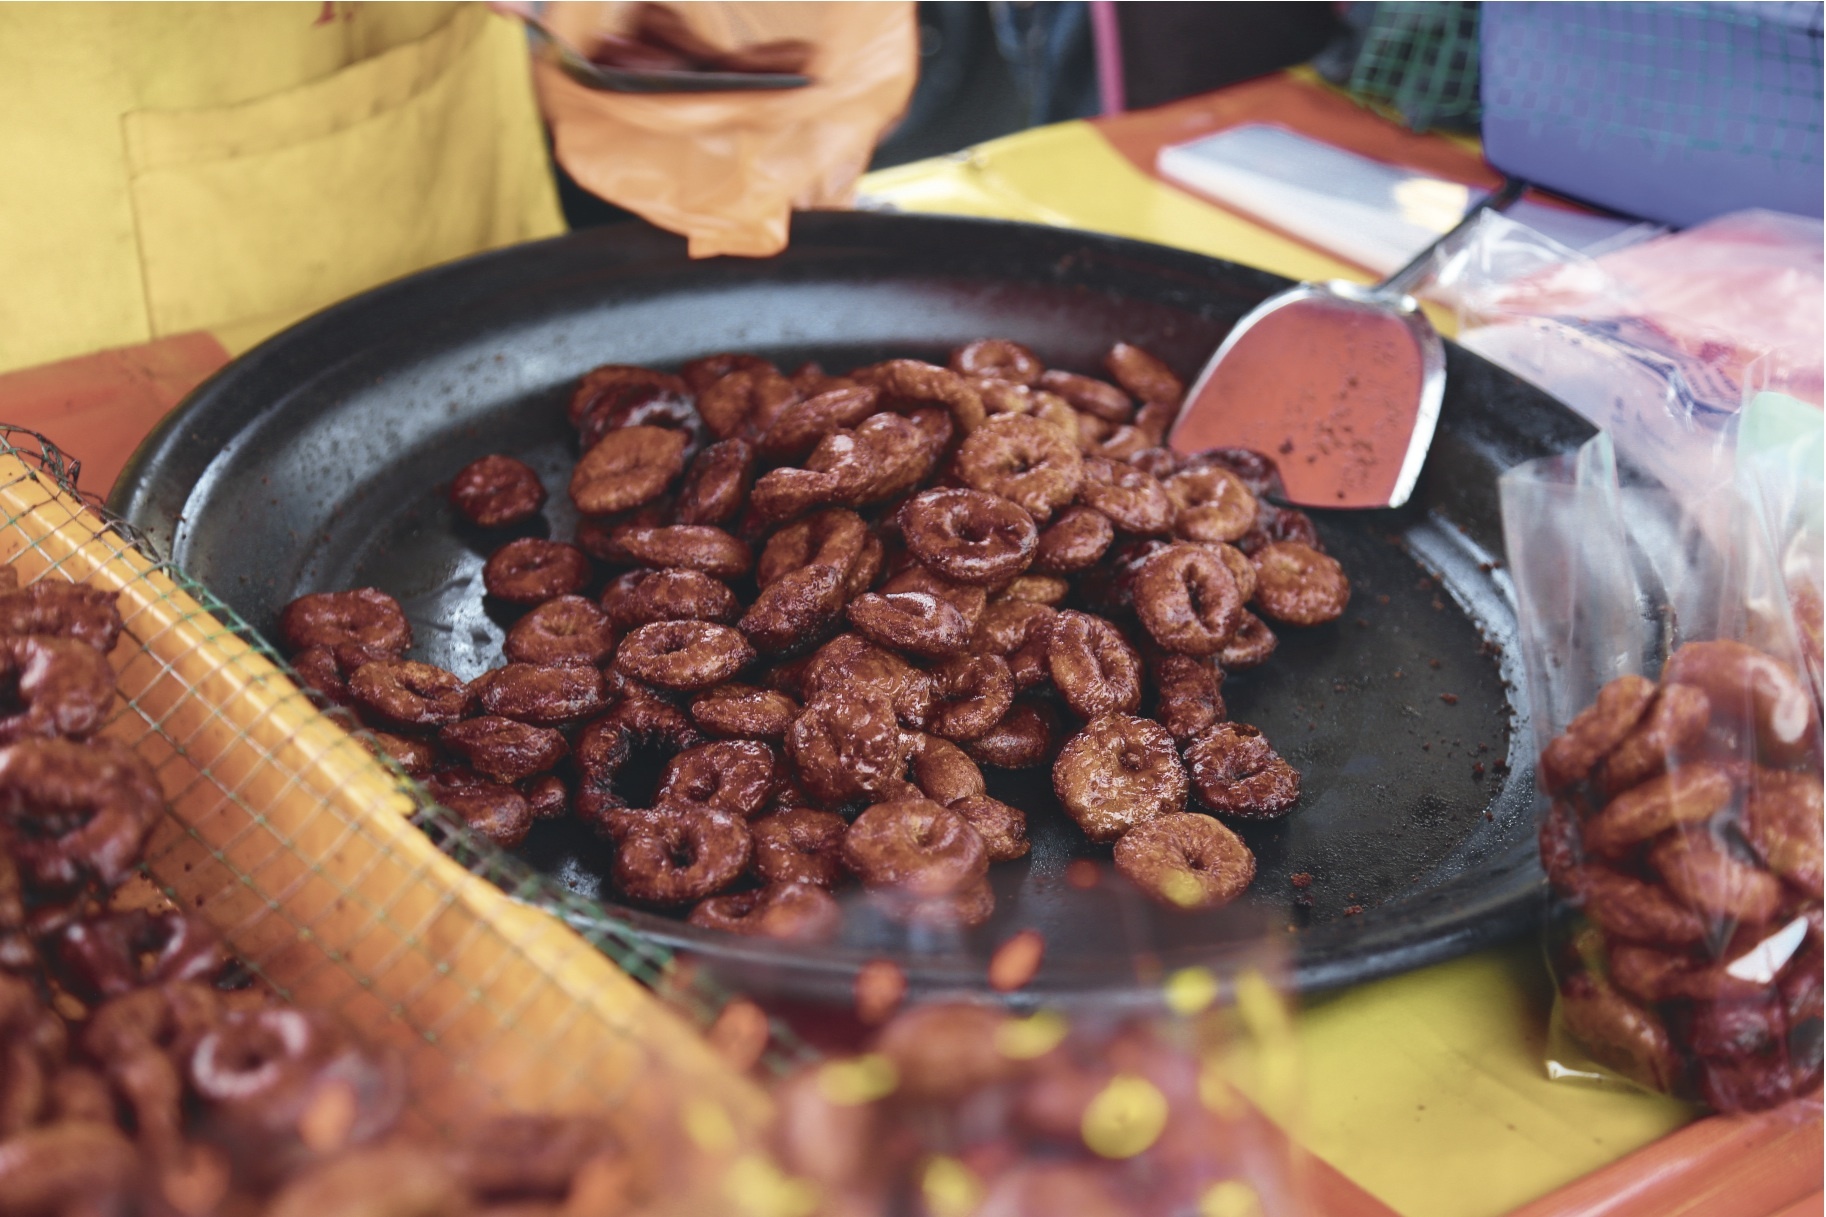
x=626, y=468
x=737, y=776
x=364, y=618
x=497, y=490
x=405, y=693
x=532, y=570
x=1298, y=585
x=1187, y=599
x=1235, y=771
x=800, y=845
x=680, y=855
x=564, y=629
x=915, y=846
x=1594, y=732
x=686, y=655
x=1185, y=860
x=502, y=749
x=1092, y=665
x=1143, y=374
x=545, y=695
x=790, y=912
x=744, y=711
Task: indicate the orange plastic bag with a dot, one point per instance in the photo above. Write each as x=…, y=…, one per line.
x=726, y=170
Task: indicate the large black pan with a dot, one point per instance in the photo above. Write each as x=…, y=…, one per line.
x=318, y=461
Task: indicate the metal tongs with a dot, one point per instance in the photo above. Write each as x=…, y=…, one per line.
x=592, y=75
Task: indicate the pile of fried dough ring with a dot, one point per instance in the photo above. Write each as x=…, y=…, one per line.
x=142, y=1071
x=1686, y=826
x=823, y=603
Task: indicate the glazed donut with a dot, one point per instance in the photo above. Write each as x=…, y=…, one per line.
x=492, y=809
x=1095, y=397
x=1143, y=375
x=640, y=727
x=1188, y=600
x=365, y=619
x=971, y=694
x=1236, y=771
x=942, y=771
x=849, y=666
x=1022, y=460
x=62, y=687
x=408, y=694
x=1092, y=665
x=737, y=776
x=497, y=490
x=792, y=912
x=1118, y=772
x=683, y=654
x=969, y=536
x=627, y=467
x=1213, y=504
x=532, y=570
x=716, y=483
x=502, y=749
x=1187, y=860
x=997, y=359
x=916, y=622
x=803, y=424
x=746, y=401
x=641, y=597
x=1298, y=585
x=564, y=629
x=545, y=695
x=915, y=846
x=1250, y=646
x=1134, y=501
x=849, y=748
x=680, y=854
x=1073, y=542
x=799, y=845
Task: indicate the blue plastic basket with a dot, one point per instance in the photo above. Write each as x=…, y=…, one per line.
x=1675, y=112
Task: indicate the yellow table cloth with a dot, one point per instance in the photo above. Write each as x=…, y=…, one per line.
x=1426, y=1090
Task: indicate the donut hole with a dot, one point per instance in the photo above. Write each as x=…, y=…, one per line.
x=40, y=824
x=975, y=531
x=637, y=780
x=681, y=852
x=1132, y=760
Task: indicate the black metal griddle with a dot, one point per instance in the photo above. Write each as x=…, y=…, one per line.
x=319, y=461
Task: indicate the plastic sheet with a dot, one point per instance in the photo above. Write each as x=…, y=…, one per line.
x=1661, y=341
x=1174, y=1094
x=1679, y=780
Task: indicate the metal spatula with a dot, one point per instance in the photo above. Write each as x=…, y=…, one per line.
x=1340, y=383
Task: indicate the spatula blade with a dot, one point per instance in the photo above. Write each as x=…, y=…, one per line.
x=1342, y=392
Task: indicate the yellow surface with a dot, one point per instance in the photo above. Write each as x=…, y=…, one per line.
x=176, y=166
x=1068, y=176
x=289, y=838
x=1427, y=1090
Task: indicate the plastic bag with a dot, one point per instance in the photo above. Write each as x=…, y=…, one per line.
x=1175, y=1093
x=726, y=170
x=1660, y=340
x=1679, y=778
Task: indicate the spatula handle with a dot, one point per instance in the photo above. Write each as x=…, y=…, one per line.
x=1408, y=277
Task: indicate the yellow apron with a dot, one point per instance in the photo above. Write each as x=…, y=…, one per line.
x=171, y=167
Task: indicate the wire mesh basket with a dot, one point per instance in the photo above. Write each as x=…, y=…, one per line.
x=346, y=889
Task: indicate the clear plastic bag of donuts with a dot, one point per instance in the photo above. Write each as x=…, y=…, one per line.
x=1677, y=731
